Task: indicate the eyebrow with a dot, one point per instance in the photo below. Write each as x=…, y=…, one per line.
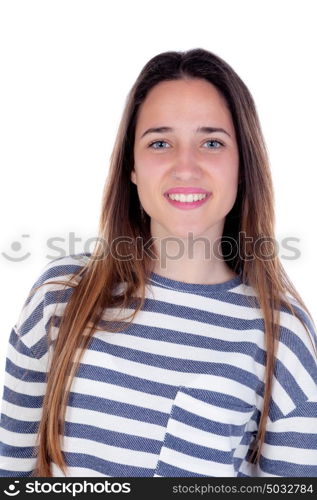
x=204, y=130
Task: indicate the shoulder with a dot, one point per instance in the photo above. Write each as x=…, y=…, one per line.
x=295, y=375
x=298, y=326
x=48, y=294
x=62, y=268
x=295, y=327
x=295, y=378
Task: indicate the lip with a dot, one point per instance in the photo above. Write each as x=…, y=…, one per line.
x=186, y=190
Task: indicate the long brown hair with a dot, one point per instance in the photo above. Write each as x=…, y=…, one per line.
x=92, y=288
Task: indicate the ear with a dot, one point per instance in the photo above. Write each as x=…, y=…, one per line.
x=133, y=176
x=240, y=176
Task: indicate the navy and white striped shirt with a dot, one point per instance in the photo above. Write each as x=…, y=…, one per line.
x=179, y=393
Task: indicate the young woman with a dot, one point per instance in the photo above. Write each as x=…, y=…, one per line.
x=179, y=346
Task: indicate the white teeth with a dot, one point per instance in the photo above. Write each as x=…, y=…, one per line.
x=187, y=198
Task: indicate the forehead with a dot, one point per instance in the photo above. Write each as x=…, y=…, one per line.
x=175, y=100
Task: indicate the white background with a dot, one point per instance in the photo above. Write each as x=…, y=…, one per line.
x=66, y=68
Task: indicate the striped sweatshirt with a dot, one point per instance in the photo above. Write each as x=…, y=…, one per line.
x=178, y=393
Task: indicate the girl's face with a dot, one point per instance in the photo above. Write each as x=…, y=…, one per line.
x=185, y=154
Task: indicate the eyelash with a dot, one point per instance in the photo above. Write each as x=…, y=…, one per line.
x=209, y=140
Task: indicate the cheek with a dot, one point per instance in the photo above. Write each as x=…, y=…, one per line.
x=231, y=169
x=147, y=182
x=150, y=173
x=226, y=177
x=147, y=163
x=226, y=187
x=153, y=165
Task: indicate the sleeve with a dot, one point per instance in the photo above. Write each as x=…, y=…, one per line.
x=290, y=447
x=24, y=389
x=27, y=361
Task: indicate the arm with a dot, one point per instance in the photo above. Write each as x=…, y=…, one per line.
x=23, y=393
x=25, y=371
x=290, y=448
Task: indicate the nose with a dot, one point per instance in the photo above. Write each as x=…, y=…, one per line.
x=185, y=165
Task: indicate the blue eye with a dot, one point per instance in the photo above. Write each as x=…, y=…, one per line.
x=157, y=142
x=215, y=141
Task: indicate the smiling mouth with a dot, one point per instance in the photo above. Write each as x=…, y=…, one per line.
x=187, y=198
x=187, y=201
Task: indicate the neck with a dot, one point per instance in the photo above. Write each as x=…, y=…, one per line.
x=181, y=260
